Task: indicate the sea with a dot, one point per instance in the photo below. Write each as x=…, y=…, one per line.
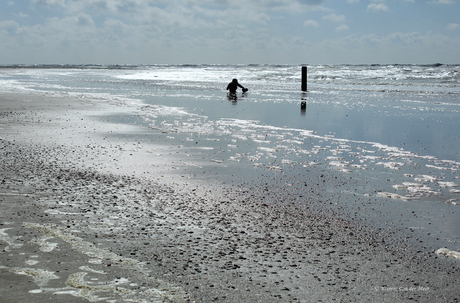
x=392, y=129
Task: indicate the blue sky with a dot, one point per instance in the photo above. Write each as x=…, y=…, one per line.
x=224, y=31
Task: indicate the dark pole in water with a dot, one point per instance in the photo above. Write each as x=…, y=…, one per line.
x=304, y=78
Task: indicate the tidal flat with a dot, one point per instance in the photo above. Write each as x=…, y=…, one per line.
x=87, y=215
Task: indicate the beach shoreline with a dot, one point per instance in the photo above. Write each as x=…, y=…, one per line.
x=127, y=223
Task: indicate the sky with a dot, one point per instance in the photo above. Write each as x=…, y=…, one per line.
x=229, y=32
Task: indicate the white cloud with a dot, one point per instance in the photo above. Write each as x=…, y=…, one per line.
x=50, y=2
x=117, y=6
x=442, y=2
x=287, y=3
x=9, y=24
x=312, y=2
x=453, y=26
x=393, y=48
x=189, y=13
x=229, y=17
x=84, y=20
x=278, y=5
x=311, y=23
x=219, y=31
x=380, y=7
x=114, y=26
x=335, y=18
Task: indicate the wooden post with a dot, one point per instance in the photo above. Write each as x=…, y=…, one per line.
x=304, y=78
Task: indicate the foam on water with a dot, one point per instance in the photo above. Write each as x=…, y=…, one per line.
x=41, y=277
x=180, y=75
x=266, y=141
x=97, y=287
x=32, y=262
x=441, y=79
x=10, y=241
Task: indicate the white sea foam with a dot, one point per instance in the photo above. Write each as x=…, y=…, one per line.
x=395, y=196
x=447, y=184
x=9, y=240
x=407, y=185
x=437, y=167
x=41, y=276
x=57, y=212
x=391, y=165
x=267, y=149
x=274, y=167
x=448, y=253
x=32, y=262
x=292, y=141
x=453, y=201
x=373, y=158
x=89, y=269
x=181, y=75
x=87, y=290
x=334, y=158
x=338, y=163
x=426, y=178
x=153, y=111
x=421, y=190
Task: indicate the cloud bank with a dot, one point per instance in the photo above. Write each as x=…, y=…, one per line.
x=213, y=31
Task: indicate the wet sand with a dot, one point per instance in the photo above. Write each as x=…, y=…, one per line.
x=88, y=215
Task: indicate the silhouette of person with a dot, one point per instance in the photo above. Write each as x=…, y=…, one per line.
x=233, y=86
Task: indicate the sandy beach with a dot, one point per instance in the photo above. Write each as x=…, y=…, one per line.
x=87, y=216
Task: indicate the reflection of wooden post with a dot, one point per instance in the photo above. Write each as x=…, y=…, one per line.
x=304, y=78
